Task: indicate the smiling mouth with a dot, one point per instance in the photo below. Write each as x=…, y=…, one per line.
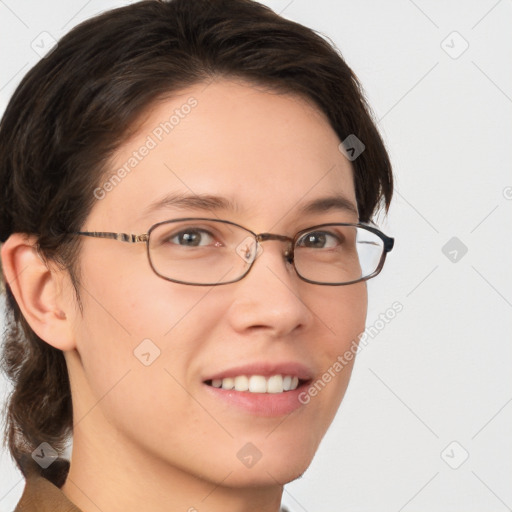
x=273, y=384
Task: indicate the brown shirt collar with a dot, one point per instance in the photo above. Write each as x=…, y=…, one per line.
x=41, y=495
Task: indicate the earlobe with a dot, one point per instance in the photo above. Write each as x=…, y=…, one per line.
x=37, y=289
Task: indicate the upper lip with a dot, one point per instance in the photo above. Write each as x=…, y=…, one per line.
x=266, y=369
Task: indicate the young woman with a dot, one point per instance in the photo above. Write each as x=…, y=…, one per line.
x=187, y=189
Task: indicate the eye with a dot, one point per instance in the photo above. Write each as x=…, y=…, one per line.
x=191, y=238
x=319, y=240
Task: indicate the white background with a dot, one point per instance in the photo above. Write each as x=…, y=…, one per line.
x=437, y=373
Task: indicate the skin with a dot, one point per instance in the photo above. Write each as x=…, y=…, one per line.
x=150, y=437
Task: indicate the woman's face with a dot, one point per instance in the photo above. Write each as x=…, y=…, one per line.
x=147, y=349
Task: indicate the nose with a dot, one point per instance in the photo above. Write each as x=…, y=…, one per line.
x=271, y=297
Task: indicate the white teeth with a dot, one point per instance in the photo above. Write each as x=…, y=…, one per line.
x=228, y=383
x=241, y=383
x=275, y=384
x=217, y=383
x=258, y=383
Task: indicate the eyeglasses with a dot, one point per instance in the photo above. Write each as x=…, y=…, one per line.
x=209, y=252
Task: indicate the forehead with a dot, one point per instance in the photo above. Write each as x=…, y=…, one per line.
x=268, y=153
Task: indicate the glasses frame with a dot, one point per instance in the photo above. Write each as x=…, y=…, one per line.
x=388, y=243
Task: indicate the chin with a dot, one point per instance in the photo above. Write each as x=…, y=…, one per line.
x=263, y=478
x=278, y=469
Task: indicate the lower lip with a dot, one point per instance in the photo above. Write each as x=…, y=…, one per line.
x=261, y=404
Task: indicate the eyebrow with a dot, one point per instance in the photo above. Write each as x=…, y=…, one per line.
x=204, y=202
x=334, y=202
x=208, y=202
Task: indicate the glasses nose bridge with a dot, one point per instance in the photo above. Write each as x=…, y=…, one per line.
x=263, y=237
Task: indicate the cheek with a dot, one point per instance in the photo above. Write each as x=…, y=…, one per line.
x=342, y=311
x=342, y=314
x=137, y=323
x=130, y=318
x=136, y=349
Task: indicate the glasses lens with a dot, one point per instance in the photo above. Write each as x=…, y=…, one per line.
x=201, y=251
x=335, y=254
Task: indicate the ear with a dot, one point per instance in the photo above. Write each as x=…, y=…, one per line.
x=39, y=290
